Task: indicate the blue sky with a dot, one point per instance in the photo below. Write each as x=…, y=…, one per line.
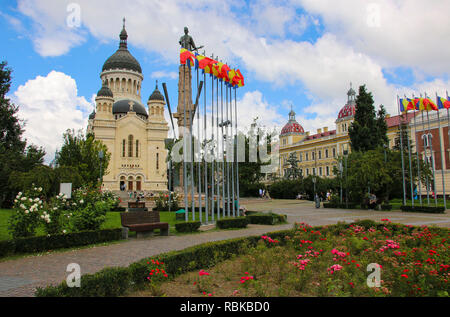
x=302, y=53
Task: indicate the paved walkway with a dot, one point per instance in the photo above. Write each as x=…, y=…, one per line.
x=20, y=277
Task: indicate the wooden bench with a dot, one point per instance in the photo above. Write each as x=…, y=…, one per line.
x=143, y=223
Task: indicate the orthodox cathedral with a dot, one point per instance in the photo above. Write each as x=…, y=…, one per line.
x=134, y=134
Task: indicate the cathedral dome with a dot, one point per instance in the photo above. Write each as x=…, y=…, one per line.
x=123, y=106
x=349, y=109
x=122, y=59
x=346, y=112
x=105, y=92
x=292, y=127
x=156, y=95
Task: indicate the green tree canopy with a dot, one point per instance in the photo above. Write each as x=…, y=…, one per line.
x=368, y=130
x=15, y=155
x=82, y=154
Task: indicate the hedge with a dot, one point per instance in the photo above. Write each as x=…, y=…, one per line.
x=266, y=218
x=228, y=223
x=426, y=209
x=117, y=281
x=60, y=241
x=189, y=226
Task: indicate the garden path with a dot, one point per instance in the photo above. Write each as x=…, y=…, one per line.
x=21, y=276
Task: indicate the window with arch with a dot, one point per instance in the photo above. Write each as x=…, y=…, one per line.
x=137, y=148
x=123, y=148
x=130, y=146
x=157, y=161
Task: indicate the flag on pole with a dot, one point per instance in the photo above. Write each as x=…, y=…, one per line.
x=186, y=57
x=406, y=104
x=443, y=103
x=418, y=102
x=429, y=104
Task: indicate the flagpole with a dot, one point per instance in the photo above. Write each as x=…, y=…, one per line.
x=213, y=146
x=228, y=154
x=237, y=153
x=431, y=155
x=205, y=147
x=199, y=159
x=186, y=203
x=442, y=156
x=410, y=164
x=401, y=151
x=425, y=151
x=417, y=156
x=218, y=150
x=233, y=152
x=223, y=150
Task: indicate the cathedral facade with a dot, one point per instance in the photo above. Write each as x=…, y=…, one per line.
x=134, y=134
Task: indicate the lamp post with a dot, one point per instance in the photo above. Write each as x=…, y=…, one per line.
x=346, y=177
x=100, y=156
x=341, y=171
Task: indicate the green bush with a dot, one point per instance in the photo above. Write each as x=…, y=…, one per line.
x=109, y=282
x=228, y=223
x=426, y=209
x=265, y=218
x=53, y=242
x=28, y=208
x=286, y=189
x=386, y=207
x=189, y=226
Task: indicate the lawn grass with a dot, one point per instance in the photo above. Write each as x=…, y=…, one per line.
x=397, y=203
x=112, y=222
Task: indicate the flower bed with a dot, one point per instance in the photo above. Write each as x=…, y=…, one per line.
x=307, y=261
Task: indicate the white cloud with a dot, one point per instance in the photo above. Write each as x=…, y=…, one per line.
x=164, y=74
x=50, y=105
x=410, y=33
x=350, y=50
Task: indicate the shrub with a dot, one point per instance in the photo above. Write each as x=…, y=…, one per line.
x=386, y=207
x=162, y=202
x=28, y=208
x=53, y=242
x=265, y=218
x=189, y=226
x=228, y=223
x=426, y=209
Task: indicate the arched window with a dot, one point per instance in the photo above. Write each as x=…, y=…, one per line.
x=137, y=148
x=130, y=146
x=123, y=148
x=157, y=161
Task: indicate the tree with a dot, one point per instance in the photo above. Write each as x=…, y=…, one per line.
x=82, y=153
x=368, y=130
x=14, y=153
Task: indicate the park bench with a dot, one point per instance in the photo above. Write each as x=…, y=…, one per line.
x=136, y=206
x=143, y=223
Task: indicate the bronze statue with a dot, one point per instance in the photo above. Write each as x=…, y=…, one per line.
x=187, y=42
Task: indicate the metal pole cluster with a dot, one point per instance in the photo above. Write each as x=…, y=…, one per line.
x=210, y=150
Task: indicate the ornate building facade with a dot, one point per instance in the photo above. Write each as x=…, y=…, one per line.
x=317, y=153
x=134, y=134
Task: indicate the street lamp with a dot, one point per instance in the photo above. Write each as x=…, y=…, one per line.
x=100, y=156
x=346, y=177
x=341, y=169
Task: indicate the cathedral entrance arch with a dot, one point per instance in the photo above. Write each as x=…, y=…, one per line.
x=130, y=183
x=139, y=183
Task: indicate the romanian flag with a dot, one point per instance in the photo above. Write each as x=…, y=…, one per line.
x=429, y=105
x=240, y=79
x=186, y=57
x=231, y=75
x=418, y=102
x=406, y=105
x=202, y=62
x=443, y=103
